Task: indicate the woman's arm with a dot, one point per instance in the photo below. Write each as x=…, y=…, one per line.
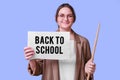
x=89, y=65
x=35, y=67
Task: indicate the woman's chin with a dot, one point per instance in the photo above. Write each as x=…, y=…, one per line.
x=66, y=26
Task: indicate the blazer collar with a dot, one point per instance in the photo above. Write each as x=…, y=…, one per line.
x=77, y=39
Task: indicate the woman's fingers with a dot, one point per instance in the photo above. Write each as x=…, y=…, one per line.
x=28, y=52
x=91, y=67
x=27, y=48
x=28, y=57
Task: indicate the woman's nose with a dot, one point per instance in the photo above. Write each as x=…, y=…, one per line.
x=66, y=18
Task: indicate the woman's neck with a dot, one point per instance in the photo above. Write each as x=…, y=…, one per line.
x=65, y=30
x=68, y=30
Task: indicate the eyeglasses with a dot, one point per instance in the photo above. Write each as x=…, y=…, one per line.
x=69, y=16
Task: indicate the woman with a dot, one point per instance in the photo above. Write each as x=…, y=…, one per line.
x=78, y=66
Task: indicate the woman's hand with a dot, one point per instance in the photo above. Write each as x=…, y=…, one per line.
x=28, y=52
x=90, y=67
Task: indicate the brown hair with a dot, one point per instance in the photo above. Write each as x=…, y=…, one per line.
x=68, y=6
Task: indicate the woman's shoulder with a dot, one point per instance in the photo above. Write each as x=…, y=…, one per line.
x=82, y=38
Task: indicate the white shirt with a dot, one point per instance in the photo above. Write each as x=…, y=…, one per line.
x=67, y=67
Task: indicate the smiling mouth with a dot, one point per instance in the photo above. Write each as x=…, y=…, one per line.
x=65, y=22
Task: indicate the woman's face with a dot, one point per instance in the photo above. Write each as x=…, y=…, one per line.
x=65, y=18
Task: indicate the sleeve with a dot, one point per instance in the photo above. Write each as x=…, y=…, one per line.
x=35, y=67
x=87, y=50
x=87, y=54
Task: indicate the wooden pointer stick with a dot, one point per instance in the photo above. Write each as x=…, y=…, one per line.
x=94, y=48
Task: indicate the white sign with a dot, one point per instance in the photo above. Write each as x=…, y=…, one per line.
x=50, y=45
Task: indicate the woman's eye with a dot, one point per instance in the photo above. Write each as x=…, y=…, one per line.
x=61, y=15
x=70, y=15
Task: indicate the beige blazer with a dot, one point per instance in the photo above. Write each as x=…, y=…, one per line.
x=50, y=68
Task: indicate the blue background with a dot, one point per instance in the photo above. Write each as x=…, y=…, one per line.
x=17, y=17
